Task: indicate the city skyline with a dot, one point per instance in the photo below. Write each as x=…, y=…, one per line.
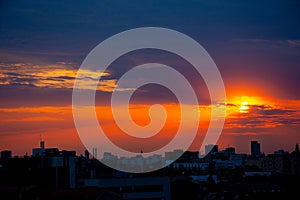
x=210, y=148
x=256, y=47
x=149, y=99
x=55, y=173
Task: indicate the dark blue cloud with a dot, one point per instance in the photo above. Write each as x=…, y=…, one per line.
x=251, y=41
x=79, y=24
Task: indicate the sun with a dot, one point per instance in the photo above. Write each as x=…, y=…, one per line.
x=244, y=104
x=244, y=108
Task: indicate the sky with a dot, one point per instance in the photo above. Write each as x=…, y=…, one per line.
x=255, y=45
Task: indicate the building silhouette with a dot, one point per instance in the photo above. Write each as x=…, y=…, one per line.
x=50, y=171
x=211, y=148
x=6, y=155
x=255, y=148
x=230, y=150
x=295, y=161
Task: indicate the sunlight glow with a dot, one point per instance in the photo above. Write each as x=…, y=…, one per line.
x=244, y=108
x=243, y=104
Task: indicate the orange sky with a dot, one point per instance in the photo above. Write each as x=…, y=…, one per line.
x=248, y=118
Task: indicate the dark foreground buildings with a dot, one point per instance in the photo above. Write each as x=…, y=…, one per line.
x=50, y=173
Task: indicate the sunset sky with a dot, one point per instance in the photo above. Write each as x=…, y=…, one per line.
x=255, y=45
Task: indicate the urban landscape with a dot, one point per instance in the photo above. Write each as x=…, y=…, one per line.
x=50, y=173
x=149, y=100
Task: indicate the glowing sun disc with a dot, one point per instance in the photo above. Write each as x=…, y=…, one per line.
x=244, y=108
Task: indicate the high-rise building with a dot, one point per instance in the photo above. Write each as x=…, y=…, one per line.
x=295, y=161
x=255, y=148
x=6, y=155
x=86, y=154
x=211, y=148
x=279, y=163
x=42, y=144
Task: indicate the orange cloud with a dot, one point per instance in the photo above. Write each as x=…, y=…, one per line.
x=54, y=76
x=262, y=115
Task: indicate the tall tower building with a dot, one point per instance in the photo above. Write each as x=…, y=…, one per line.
x=42, y=144
x=255, y=148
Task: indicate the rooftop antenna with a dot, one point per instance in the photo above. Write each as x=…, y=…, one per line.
x=42, y=142
x=94, y=153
